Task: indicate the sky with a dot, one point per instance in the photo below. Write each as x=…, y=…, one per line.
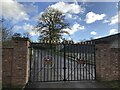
x=86, y=19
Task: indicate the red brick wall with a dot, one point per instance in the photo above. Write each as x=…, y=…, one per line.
x=7, y=55
x=119, y=63
x=15, y=63
x=107, y=65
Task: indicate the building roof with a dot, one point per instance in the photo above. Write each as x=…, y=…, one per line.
x=107, y=38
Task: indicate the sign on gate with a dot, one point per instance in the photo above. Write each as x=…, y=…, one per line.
x=48, y=61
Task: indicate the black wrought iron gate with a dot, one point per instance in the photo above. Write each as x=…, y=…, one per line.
x=62, y=61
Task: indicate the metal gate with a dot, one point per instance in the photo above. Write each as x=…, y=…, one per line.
x=62, y=61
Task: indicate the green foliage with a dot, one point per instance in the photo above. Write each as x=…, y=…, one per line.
x=51, y=25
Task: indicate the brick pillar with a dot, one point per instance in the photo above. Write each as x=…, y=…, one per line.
x=20, y=62
x=106, y=63
x=7, y=54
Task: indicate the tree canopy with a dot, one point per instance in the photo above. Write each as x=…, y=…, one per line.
x=51, y=24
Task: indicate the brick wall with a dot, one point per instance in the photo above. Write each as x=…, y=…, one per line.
x=15, y=63
x=7, y=66
x=107, y=62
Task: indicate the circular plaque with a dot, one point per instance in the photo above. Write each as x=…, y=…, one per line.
x=48, y=61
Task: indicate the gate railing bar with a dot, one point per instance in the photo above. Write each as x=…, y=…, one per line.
x=68, y=62
x=80, y=57
x=37, y=61
x=64, y=63
x=56, y=48
x=51, y=55
x=47, y=70
x=41, y=66
x=54, y=59
x=44, y=65
x=74, y=59
x=34, y=64
x=90, y=67
x=94, y=60
x=89, y=59
x=51, y=65
x=30, y=69
x=71, y=61
x=86, y=52
x=77, y=58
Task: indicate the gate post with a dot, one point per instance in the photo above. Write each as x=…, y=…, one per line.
x=107, y=67
x=20, y=62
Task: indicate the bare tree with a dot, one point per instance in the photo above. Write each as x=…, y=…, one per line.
x=6, y=31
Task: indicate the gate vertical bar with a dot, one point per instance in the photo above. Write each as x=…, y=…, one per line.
x=64, y=63
x=94, y=60
x=34, y=64
x=43, y=61
x=54, y=59
x=91, y=64
x=68, y=59
x=83, y=58
x=80, y=53
x=86, y=53
x=74, y=45
x=47, y=53
x=77, y=58
x=37, y=60
x=30, y=68
x=71, y=59
x=41, y=67
x=56, y=48
x=89, y=58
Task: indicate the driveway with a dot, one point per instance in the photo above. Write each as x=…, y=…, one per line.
x=67, y=84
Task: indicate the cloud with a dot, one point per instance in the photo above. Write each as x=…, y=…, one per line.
x=93, y=33
x=92, y=17
x=114, y=20
x=26, y=28
x=68, y=8
x=76, y=27
x=71, y=16
x=106, y=21
x=16, y=28
x=29, y=28
x=12, y=10
x=113, y=31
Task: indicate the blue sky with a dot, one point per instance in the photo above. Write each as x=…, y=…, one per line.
x=87, y=20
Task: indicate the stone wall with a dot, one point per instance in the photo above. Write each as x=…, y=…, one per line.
x=15, y=60
x=107, y=62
